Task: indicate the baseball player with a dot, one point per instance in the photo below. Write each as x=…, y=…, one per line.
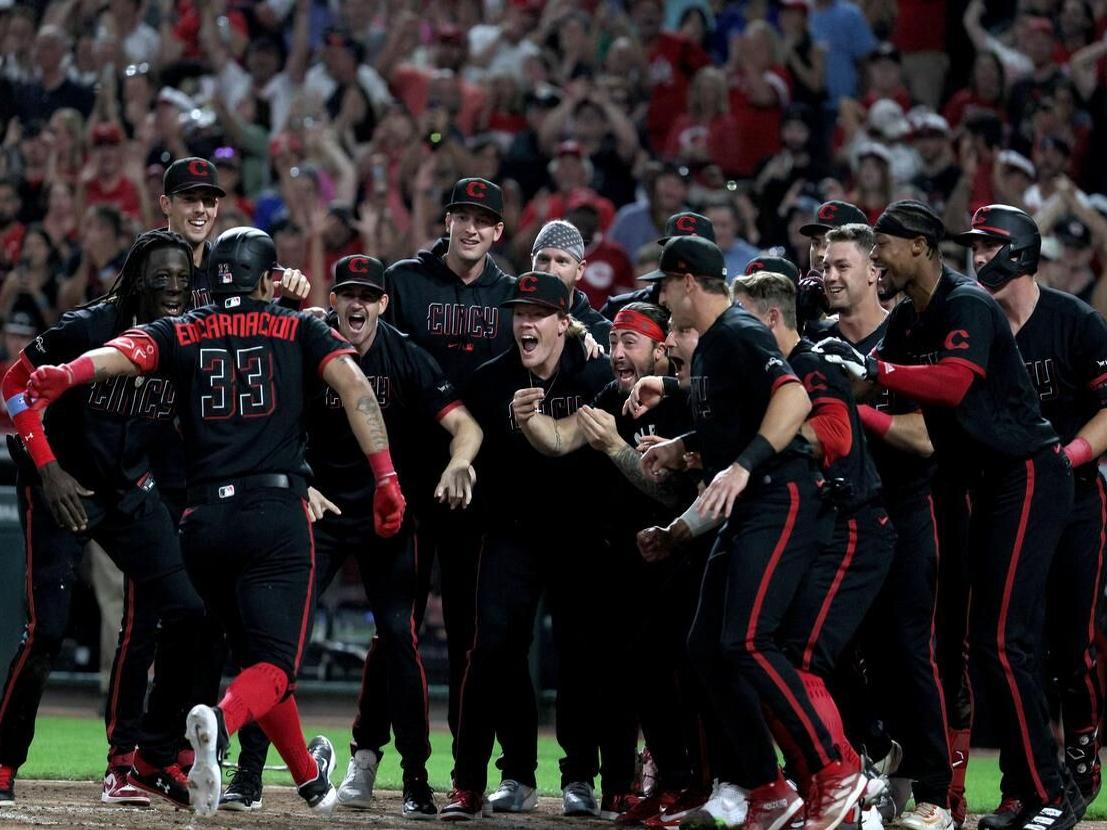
x=950, y=348
x=559, y=250
x=413, y=395
x=239, y=368
x=1063, y=343
x=685, y=223
x=84, y=473
x=900, y=642
x=811, y=300
x=521, y=558
x=748, y=407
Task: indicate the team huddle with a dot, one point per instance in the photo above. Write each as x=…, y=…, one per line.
x=793, y=509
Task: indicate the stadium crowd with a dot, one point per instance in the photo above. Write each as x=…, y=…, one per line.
x=758, y=175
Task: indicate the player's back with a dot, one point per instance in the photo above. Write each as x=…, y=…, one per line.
x=241, y=369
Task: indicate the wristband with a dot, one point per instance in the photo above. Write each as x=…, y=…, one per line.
x=697, y=524
x=381, y=465
x=1079, y=451
x=28, y=423
x=669, y=386
x=874, y=420
x=756, y=453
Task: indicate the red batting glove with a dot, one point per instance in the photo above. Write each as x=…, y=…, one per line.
x=388, y=507
x=48, y=383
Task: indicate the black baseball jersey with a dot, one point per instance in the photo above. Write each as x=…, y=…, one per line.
x=1064, y=347
x=241, y=369
x=735, y=370
x=902, y=473
x=999, y=417
x=628, y=509
x=518, y=483
x=201, y=279
x=101, y=433
x=413, y=394
x=461, y=325
x=827, y=385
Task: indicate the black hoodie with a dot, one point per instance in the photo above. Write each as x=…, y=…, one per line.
x=462, y=325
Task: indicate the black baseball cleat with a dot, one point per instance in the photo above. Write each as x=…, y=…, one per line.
x=243, y=794
x=1058, y=814
x=319, y=793
x=7, y=785
x=1005, y=817
x=168, y=782
x=419, y=802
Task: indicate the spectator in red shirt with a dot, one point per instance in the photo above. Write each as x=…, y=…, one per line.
x=104, y=181
x=607, y=269
x=707, y=131
x=11, y=229
x=673, y=60
x=884, y=78
x=759, y=92
x=920, y=35
x=985, y=92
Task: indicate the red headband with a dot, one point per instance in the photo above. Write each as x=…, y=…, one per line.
x=632, y=320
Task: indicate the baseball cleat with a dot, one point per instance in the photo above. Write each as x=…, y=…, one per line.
x=513, y=797
x=463, y=805
x=165, y=782
x=926, y=816
x=835, y=790
x=202, y=728
x=689, y=800
x=118, y=790
x=648, y=807
x=1056, y=815
x=356, y=790
x=1005, y=817
x=243, y=794
x=319, y=793
x=772, y=806
x=579, y=799
x=728, y=806
x=614, y=805
x=419, y=802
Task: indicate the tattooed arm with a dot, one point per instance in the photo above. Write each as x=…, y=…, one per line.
x=345, y=377
x=599, y=430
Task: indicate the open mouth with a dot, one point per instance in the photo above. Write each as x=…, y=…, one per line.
x=172, y=309
x=357, y=320
x=528, y=343
x=676, y=362
x=198, y=224
x=625, y=375
x=834, y=290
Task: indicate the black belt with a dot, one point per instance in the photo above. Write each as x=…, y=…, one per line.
x=222, y=491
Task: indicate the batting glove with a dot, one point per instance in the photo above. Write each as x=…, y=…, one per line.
x=48, y=383
x=388, y=507
x=848, y=359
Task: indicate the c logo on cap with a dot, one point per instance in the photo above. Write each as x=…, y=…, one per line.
x=358, y=265
x=476, y=189
x=528, y=284
x=687, y=224
x=198, y=167
x=828, y=211
x=754, y=267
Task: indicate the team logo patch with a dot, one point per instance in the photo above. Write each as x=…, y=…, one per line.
x=476, y=190
x=226, y=491
x=528, y=284
x=828, y=212
x=198, y=167
x=232, y=302
x=687, y=224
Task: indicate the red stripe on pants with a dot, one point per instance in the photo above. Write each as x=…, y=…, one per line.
x=828, y=600
x=121, y=656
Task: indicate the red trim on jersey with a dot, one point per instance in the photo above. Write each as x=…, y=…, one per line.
x=783, y=379
x=1001, y=634
x=32, y=614
x=830, y=420
x=832, y=592
x=943, y=384
x=751, y=628
x=336, y=353
x=447, y=409
x=121, y=656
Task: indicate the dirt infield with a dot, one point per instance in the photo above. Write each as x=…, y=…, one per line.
x=76, y=804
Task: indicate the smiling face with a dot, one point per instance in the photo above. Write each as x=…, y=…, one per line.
x=561, y=264
x=894, y=256
x=164, y=284
x=848, y=275
x=191, y=214
x=633, y=356
x=358, y=308
x=472, y=231
x=816, y=249
x=539, y=334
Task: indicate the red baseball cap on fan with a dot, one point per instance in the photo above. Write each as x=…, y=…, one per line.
x=834, y=214
x=191, y=174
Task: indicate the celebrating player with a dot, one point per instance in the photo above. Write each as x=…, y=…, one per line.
x=239, y=368
x=559, y=250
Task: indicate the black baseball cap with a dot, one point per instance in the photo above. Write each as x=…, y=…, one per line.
x=689, y=255
x=687, y=223
x=774, y=265
x=539, y=288
x=191, y=173
x=479, y=193
x=358, y=269
x=834, y=214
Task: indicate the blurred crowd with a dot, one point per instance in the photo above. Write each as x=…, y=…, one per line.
x=339, y=125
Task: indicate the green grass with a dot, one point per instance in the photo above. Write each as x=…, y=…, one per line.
x=73, y=749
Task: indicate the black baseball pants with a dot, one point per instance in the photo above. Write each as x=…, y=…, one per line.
x=388, y=572
x=1019, y=512
x=752, y=577
x=143, y=543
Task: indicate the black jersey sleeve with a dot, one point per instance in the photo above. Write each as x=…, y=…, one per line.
x=321, y=343
x=761, y=350
x=970, y=329
x=1093, y=356
x=437, y=394
x=73, y=335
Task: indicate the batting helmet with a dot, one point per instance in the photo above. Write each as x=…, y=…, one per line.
x=1022, y=243
x=240, y=258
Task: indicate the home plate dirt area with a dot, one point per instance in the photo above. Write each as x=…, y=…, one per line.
x=76, y=804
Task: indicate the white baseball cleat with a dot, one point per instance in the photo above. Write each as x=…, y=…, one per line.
x=202, y=730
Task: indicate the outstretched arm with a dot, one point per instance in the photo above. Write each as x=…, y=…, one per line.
x=455, y=487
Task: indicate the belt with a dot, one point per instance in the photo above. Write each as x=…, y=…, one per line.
x=222, y=491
